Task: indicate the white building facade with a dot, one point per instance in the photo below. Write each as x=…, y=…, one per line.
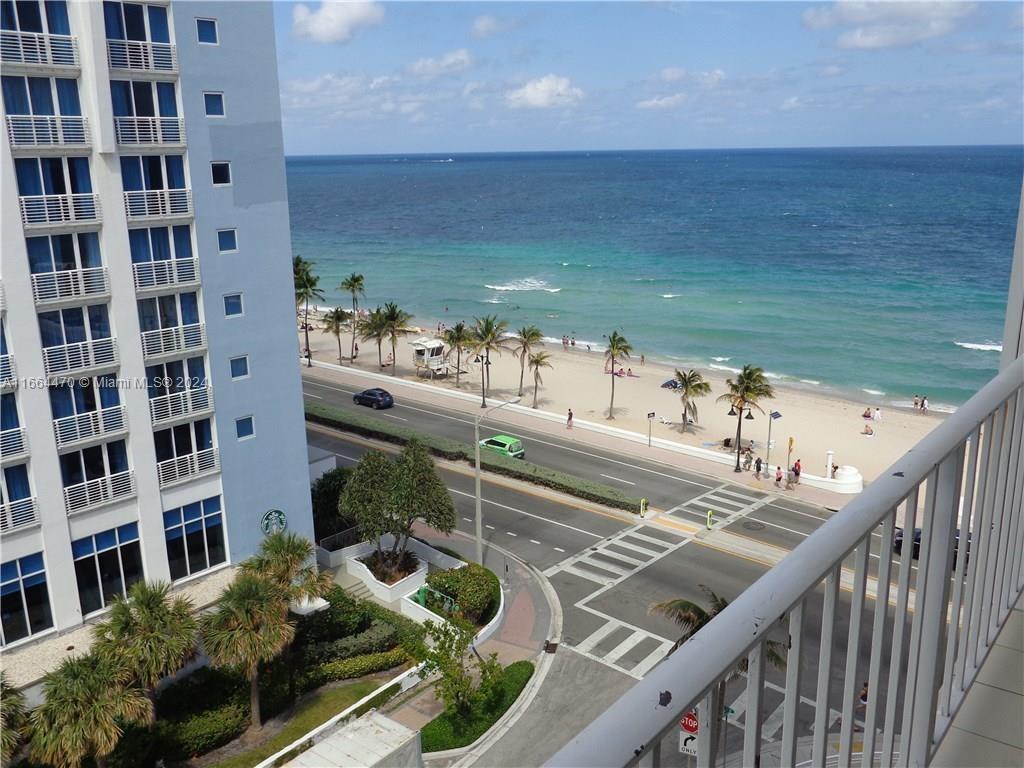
x=152, y=406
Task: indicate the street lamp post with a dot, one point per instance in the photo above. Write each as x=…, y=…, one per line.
x=476, y=450
x=774, y=415
x=739, y=415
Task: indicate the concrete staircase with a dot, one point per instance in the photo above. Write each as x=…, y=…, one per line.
x=358, y=590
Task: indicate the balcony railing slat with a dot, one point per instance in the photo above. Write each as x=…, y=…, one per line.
x=828, y=622
x=149, y=130
x=157, y=203
x=47, y=131
x=6, y=370
x=1011, y=454
x=878, y=630
x=70, y=284
x=755, y=703
x=38, y=48
x=19, y=513
x=850, y=684
x=191, y=464
x=142, y=55
x=99, y=491
x=156, y=274
x=793, y=679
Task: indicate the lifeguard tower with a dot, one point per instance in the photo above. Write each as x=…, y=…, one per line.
x=428, y=356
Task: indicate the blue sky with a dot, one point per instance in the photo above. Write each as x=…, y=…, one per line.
x=369, y=77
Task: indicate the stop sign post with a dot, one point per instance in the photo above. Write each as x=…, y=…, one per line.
x=688, y=727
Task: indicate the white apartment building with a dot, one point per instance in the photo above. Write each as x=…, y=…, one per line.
x=152, y=422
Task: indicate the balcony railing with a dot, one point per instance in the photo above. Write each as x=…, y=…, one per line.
x=99, y=491
x=38, y=48
x=165, y=341
x=6, y=371
x=79, y=356
x=70, y=284
x=157, y=274
x=46, y=210
x=158, y=203
x=12, y=443
x=142, y=56
x=962, y=487
x=149, y=130
x=43, y=131
x=85, y=426
x=187, y=466
x=20, y=513
x=178, y=404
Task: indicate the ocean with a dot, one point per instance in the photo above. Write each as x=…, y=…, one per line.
x=876, y=274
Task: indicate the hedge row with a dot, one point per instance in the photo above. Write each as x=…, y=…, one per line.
x=345, y=669
x=474, y=588
x=376, y=638
x=453, y=450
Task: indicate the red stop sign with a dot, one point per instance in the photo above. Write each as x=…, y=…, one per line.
x=689, y=722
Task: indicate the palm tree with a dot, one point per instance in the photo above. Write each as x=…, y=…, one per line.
x=148, y=632
x=299, y=266
x=691, y=386
x=248, y=628
x=12, y=718
x=355, y=285
x=537, y=361
x=525, y=340
x=396, y=323
x=306, y=288
x=458, y=338
x=334, y=323
x=750, y=386
x=488, y=335
x=619, y=348
x=87, y=701
x=372, y=328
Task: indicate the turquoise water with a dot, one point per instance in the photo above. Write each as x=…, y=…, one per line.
x=878, y=271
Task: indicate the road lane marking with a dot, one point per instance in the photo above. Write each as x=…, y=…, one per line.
x=511, y=534
x=309, y=394
x=489, y=527
x=530, y=514
x=534, y=541
x=559, y=549
x=468, y=519
x=618, y=479
x=392, y=416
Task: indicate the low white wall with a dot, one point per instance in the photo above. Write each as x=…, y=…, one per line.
x=387, y=593
x=418, y=613
x=495, y=622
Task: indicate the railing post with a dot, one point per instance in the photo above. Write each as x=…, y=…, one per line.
x=709, y=715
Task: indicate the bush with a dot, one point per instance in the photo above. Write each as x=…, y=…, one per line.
x=376, y=638
x=361, y=665
x=203, y=731
x=326, y=491
x=344, y=616
x=206, y=688
x=472, y=586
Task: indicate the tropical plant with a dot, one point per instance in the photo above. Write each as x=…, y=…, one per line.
x=537, y=361
x=524, y=341
x=488, y=336
x=418, y=493
x=373, y=327
x=149, y=632
x=396, y=323
x=306, y=288
x=618, y=348
x=745, y=392
x=458, y=338
x=12, y=718
x=334, y=323
x=447, y=654
x=248, y=628
x=356, y=286
x=367, y=496
x=299, y=266
x=86, y=702
x=691, y=385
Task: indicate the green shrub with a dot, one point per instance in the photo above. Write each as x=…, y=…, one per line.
x=358, y=666
x=378, y=637
x=472, y=586
x=203, y=731
x=326, y=491
x=206, y=688
x=410, y=633
x=344, y=616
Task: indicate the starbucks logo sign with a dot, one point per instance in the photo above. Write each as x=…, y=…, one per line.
x=274, y=521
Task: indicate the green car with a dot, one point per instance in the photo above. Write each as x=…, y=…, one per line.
x=510, y=446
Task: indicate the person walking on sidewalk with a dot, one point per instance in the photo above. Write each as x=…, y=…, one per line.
x=568, y=420
x=757, y=468
x=778, y=477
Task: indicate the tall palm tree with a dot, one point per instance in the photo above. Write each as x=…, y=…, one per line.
x=691, y=386
x=458, y=338
x=12, y=718
x=87, y=701
x=299, y=266
x=148, y=632
x=488, y=336
x=307, y=287
x=372, y=328
x=334, y=323
x=618, y=348
x=247, y=629
x=537, y=361
x=396, y=323
x=355, y=285
x=525, y=340
x=749, y=387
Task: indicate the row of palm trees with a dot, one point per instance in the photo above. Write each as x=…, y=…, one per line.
x=150, y=635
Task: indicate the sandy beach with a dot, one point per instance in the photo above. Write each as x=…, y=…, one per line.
x=817, y=422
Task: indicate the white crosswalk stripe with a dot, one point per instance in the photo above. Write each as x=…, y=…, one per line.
x=616, y=657
x=726, y=503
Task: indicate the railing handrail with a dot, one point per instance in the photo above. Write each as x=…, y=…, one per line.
x=702, y=661
x=18, y=513
x=42, y=48
x=23, y=131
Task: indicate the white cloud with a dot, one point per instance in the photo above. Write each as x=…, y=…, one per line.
x=831, y=70
x=710, y=79
x=987, y=105
x=888, y=24
x=672, y=74
x=662, y=102
x=449, y=64
x=791, y=103
x=334, y=22
x=544, y=93
x=485, y=26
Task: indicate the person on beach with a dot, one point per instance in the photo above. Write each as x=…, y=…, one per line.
x=917, y=402
x=629, y=372
x=868, y=431
x=877, y=416
x=757, y=468
x=835, y=468
x=588, y=347
x=867, y=413
x=354, y=356
x=924, y=403
x=568, y=420
x=573, y=342
x=778, y=477
x=643, y=360
x=797, y=469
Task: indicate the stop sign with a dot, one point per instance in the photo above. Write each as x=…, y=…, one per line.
x=689, y=722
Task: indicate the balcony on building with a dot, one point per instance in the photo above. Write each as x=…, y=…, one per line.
x=170, y=325
x=13, y=444
x=56, y=192
x=18, y=513
x=7, y=374
x=154, y=275
x=185, y=403
x=38, y=52
x=45, y=211
x=138, y=56
x=79, y=357
x=77, y=340
x=138, y=38
x=173, y=340
x=155, y=187
x=69, y=285
x=162, y=257
x=86, y=409
x=149, y=131
x=187, y=467
x=83, y=427
x=44, y=115
x=47, y=132
x=99, y=491
x=185, y=451
x=156, y=204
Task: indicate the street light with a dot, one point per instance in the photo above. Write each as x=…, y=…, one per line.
x=739, y=440
x=774, y=415
x=476, y=444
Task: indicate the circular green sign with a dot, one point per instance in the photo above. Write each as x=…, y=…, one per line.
x=274, y=521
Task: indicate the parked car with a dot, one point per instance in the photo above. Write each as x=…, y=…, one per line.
x=505, y=444
x=670, y=384
x=897, y=544
x=375, y=398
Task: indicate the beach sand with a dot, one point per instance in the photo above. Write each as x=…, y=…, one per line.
x=818, y=422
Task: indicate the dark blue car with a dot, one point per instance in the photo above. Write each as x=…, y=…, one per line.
x=375, y=398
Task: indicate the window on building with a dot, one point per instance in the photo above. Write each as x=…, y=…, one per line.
x=206, y=31
x=15, y=486
x=239, y=367
x=161, y=244
x=29, y=16
x=227, y=240
x=221, y=173
x=52, y=175
x=214, y=103
x=233, y=305
x=182, y=440
x=94, y=462
x=50, y=255
x=195, y=537
x=133, y=21
x=24, y=598
x=80, y=395
x=244, y=427
x=41, y=96
x=171, y=311
x=74, y=325
x=151, y=172
x=178, y=376
x=106, y=564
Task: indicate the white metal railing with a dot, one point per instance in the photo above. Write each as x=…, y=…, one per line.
x=41, y=210
x=12, y=442
x=149, y=130
x=157, y=203
x=31, y=131
x=70, y=284
x=38, y=48
x=79, y=356
x=19, y=513
x=177, y=404
x=156, y=274
x=962, y=487
x=100, y=490
x=84, y=426
x=7, y=370
x=140, y=55
x=177, y=338
x=3, y=298
x=189, y=465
